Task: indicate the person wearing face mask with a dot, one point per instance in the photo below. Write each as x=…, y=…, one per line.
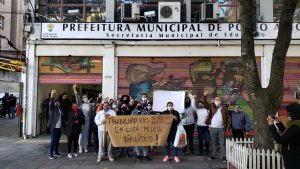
x=141, y=149
x=75, y=119
x=188, y=121
x=124, y=151
x=218, y=121
x=202, y=128
x=86, y=108
x=56, y=118
x=103, y=137
x=240, y=123
x=144, y=100
x=289, y=137
x=124, y=99
x=132, y=105
x=171, y=137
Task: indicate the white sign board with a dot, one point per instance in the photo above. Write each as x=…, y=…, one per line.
x=158, y=31
x=162, y=97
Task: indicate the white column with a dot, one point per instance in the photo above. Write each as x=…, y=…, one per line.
x=30, y=92
x=188, y=10
x=110, y=11
x=266, y=10
x=109, y=78
x=266, y=62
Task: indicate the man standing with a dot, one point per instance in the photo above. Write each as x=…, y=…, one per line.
x=202, y=128
x=218, y=119
x=102, y=132
x=55, y=124
x=240, y=123
x=13, y=103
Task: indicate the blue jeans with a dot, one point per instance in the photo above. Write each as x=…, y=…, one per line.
x=55, y=137
x=168, y=148
x=12, y=112
x=203, y=134
x=141, y=150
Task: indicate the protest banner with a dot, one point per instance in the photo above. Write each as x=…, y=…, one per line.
x=139, y=130
x=162, y=97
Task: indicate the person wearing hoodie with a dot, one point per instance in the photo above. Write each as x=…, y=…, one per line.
x=188, y=121
x=289, y=137
x=75, y=119
x=86, y=108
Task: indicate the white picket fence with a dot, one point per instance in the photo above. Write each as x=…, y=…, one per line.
x=241, y=155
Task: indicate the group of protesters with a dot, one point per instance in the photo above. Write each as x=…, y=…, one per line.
x=9, y=103
x=85, y=119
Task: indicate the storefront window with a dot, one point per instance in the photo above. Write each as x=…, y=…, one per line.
x=71, y=11
x=277, y=5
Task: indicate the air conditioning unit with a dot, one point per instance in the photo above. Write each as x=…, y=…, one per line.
x=169, y=11
x=130, y=12
x=209, y=12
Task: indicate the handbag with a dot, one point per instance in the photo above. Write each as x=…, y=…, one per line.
x=180, y=137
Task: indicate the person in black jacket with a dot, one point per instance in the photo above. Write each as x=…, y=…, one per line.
x=124, y=151
x=171, y=137
x=75, y=120
x=289, y=138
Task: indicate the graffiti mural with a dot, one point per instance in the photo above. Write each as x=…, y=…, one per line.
x=70, y=70
x=218, y=76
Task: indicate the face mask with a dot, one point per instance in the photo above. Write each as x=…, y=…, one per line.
x=114, y=106
x=149, y=107
x=289, y=118
x=139, y=107
x=200, y=105
x=236, y=110
x=105, y=108
x=85, y=100
x=124, y=108
x=217, y=103
x=74, y=109
x=170, y=108
x=144, y=98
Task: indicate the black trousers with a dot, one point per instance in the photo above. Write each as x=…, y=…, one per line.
x=238, y=133
x=73, y=139
x=189, y=129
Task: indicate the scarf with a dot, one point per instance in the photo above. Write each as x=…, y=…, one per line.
x=289, y=124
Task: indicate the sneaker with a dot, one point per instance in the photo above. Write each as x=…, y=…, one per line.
x=211, y=157
x=75, y=154
x=70, y=155
x=57, y=155
x=86, y=151
x=224, y=160
x=176, y=158
x=110, y=158
x=99, y=160
x=167, y=158
x=80, y=151
x=148, y=158
x=51, y=157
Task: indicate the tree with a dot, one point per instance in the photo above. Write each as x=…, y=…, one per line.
x=265, y=101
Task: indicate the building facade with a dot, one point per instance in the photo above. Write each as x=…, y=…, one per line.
x=104, y=48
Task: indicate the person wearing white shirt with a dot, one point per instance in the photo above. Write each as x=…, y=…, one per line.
x=202, y=128
x=100, y=122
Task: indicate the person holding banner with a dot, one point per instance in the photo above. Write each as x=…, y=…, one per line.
x=124, y=151
x=139, y=149
x=103, y=136
x=171, y=137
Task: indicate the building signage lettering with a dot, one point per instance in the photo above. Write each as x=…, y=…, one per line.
x=158, y=31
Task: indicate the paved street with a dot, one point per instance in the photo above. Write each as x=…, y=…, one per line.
x=17, y=153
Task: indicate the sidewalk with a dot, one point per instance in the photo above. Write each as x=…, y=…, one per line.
x=33, y=153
